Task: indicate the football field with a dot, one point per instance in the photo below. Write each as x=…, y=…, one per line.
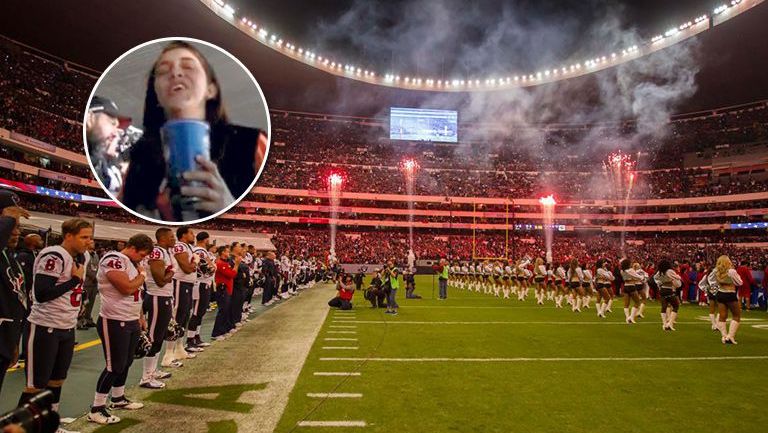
x=476, y=363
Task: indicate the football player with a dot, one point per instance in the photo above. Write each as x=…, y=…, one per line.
x=120, y=279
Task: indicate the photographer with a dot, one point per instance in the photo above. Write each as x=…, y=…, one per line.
x=375, y=293
x=410, y=284
x=391, y=283
x=343, y=300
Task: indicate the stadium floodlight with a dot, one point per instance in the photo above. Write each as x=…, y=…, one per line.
x=219, y=2
x=229, y=10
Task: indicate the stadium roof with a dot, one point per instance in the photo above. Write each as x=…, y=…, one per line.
x=732, y=63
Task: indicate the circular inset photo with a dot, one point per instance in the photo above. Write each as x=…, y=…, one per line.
x=176, y=131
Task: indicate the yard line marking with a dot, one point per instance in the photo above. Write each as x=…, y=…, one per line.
x=641, y=359
x=353, y=326
x=339, y=347
x=342, y=332
x=79, y=347
x=414, y=322
x=334, y=395
x=336, y=373
x=332, y=424
x=339, y=339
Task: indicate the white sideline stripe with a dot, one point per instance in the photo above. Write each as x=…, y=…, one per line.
x=642, y=359
x=413, y=322
x=336, y=373
x=340, y=347
x=332, y=424
x=342, y=332
x=334, y=395
x=339, y=339
x=353, y=326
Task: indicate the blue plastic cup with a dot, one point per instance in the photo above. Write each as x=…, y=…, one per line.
x=183, y=141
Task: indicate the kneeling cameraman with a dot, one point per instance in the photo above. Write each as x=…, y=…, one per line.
x=375, y=293
x=346, y=290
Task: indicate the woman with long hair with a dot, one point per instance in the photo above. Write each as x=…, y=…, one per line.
x=603, y=279
x=560, y=289
x=575, y=279
x=632, y=283
x=539, y=275
x=709, y=291
x=642, y=291
x=668, y=281
x=183, y=85
x=727, y=279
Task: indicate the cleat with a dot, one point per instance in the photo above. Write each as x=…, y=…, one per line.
x=152, y=384
x=102, y=416
x=124, y=403
x=160, y=375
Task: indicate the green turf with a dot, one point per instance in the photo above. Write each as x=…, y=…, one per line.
x=542, y=395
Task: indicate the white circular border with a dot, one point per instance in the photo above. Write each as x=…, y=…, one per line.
x=263, y=162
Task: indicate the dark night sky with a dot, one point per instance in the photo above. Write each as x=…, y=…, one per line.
x=733, y=63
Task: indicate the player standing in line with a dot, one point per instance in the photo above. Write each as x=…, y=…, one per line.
x=201, y=294
x=120, y=280
x=158, y=305
x=184, y=278
x=56, y=297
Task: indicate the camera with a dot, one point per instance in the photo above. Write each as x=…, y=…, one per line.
x=35, y=416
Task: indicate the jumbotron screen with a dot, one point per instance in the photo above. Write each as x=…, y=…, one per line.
x=419, y=124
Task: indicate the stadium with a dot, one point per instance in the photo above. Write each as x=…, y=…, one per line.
x=552, y=189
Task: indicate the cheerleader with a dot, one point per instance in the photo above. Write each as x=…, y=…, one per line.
x=710, y=291
x=550, y=282
x=726, y=278
x=603, y=281
x=632, y=283
x=475, y=269
x=642, y=292
x=497, y=278
x=559, y=286
x=507, y=283
x=668, y=281
x=540, y=274
x=464, y=275
x=575, y=278
x=587, y=286
x=522, y=278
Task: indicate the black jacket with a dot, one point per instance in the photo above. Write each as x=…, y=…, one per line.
x=12, y=303
x=233, y=148
x=26, y=259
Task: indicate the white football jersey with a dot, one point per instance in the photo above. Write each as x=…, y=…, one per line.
x=158, y=253
x=62, y=312
x=179, y=274
x=115, y=305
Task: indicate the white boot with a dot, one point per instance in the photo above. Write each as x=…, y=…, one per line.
x=671, y=322
x=732, y=331
x=664, y=320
